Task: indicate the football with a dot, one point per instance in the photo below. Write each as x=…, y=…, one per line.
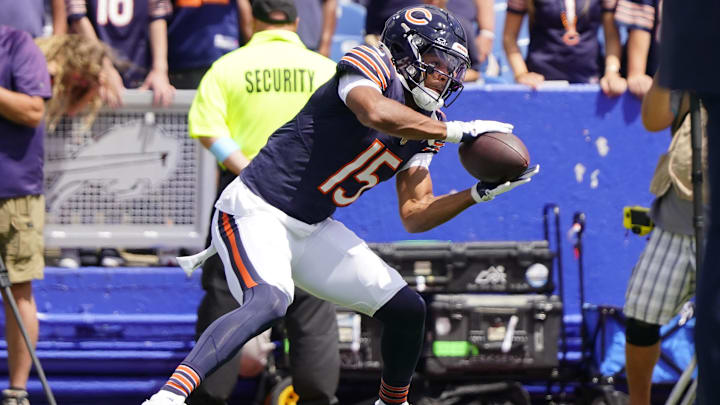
x=494, y=157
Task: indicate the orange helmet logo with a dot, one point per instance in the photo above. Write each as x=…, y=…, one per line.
x=418, y=21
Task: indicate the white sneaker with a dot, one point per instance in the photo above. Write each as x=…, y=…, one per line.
x=163, y=397
x=380, y=402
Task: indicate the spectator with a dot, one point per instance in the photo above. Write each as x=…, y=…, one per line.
x=200, y=32
x=137, y=32
x=481, y=15
x=564, y=43
x=74, y=65
x=317, y=23
x=690, y=35
x=641, y=52
x=29, y=16
x=664, y=277
x=378, y=11
x=227, y=116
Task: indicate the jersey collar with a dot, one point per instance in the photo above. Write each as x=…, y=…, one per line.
x=275, y=35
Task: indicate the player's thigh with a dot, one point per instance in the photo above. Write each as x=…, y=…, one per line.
x=254, y=249
x=338, y=266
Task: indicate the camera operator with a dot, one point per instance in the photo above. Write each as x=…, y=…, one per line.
x=664, y=277
x=690, y=60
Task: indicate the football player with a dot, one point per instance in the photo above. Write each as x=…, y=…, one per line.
x=377, y=118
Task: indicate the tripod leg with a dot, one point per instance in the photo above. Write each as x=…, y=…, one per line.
x=682, y=383
x=5, y=284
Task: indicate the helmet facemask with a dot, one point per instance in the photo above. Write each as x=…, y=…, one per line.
x=434, y=75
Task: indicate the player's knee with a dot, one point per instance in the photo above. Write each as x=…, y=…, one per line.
x=641, y=333
x=406, y=309
x=266, y=299
x=416, y=311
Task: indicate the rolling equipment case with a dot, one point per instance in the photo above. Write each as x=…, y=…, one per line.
x=487, y=267
x=491, y=333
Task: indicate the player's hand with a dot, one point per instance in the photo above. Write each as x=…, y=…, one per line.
x=613, y=85
x=483, y=192
x=463, y=131
x=163, y=91
x=639, y=85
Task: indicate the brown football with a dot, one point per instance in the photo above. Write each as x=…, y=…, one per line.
x=494, y=157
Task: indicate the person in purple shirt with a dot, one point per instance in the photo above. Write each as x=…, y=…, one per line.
x=29, y=15
x=25, y=85
x=564, y=43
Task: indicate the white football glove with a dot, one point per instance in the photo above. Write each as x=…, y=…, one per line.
x=462, y=131
x=483, y=192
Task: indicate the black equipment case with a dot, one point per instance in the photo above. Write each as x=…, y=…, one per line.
x=358, y=341
x=488, y=267
x=491, y=333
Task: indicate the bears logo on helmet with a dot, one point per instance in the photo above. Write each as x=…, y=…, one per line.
x=418, y=21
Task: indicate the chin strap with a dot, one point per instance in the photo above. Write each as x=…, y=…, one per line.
x=427, y=99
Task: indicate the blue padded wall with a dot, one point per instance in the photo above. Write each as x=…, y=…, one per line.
x=562, y=128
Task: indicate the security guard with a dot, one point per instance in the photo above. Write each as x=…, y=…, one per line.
x=245, y=96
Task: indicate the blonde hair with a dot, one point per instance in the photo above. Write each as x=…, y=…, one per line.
x=75, y=64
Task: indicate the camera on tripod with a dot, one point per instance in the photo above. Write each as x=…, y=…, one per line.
x=637, y=219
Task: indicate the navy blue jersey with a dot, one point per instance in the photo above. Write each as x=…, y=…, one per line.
x=124, y=26
x=549, y=54
x=325, y=158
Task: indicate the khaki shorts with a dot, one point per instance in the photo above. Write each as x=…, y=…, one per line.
x=21, y=237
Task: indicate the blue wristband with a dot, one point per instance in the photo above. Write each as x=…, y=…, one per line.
x=223, y=147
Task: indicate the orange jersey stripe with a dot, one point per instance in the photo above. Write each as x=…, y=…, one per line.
x=247, y=279
x=377, y=55
x=372, y=63
x=364, y=69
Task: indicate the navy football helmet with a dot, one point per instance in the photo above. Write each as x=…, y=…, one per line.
x=429, y=48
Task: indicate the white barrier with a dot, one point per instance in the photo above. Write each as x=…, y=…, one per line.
x=135, y=179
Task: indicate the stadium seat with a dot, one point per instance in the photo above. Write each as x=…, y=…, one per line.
x=350, y=19
x=343, y=43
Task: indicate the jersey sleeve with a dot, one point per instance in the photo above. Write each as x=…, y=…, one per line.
x=160, y=9
x=636, y=14
x=208, y=112
x=370, y=62
x=76, y=9
x=351, y=80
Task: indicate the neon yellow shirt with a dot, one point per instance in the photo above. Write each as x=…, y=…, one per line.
x=250, y=92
